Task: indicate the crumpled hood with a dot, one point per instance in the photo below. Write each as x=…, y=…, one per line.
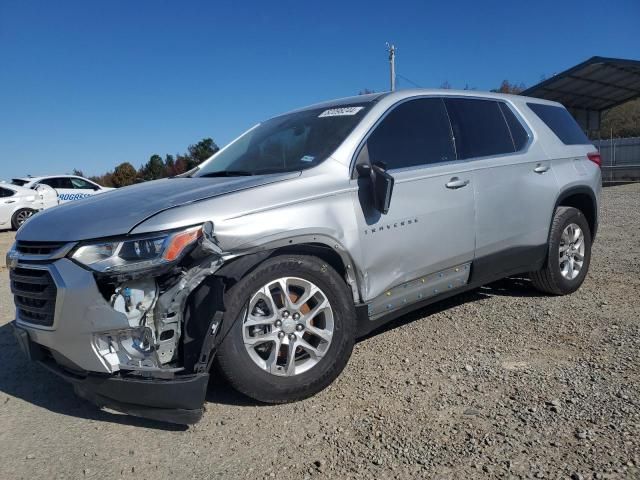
x=118, y=211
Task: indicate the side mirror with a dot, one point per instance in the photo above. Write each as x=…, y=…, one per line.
x=381, y=183
x=382, y=188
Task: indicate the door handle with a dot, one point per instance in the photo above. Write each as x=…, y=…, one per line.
x=541, y=168
x=9, y=201
x=455, y=182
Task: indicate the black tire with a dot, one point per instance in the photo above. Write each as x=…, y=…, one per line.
x=549, y=278
x=18, y=217
x=240, y=370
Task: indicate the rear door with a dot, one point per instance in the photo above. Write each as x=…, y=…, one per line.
x=430, y=223
x=515, y=187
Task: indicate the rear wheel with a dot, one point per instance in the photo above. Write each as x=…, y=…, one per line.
x=569, y=253
x=293, y=330
x=21, y=216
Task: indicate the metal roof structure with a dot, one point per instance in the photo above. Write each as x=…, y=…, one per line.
x=591, y=87
x=597, y=84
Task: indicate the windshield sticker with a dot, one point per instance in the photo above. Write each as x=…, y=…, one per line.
x=340, y=112
x=307, y=158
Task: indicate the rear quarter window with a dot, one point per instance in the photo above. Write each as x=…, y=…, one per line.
x=561, y=123
x=518, y=133
x=5, y=192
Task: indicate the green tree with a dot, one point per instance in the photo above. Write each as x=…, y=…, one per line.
x=201, y=151
x=154, y=168
x=182, y=164
x=123, y=175
x=621, y=121
x=508, y=87
x=77, y=172
x=104, y=180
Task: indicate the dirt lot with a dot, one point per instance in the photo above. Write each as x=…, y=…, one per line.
x=500, y=382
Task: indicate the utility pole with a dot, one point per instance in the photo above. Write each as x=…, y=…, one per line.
x=392, y=64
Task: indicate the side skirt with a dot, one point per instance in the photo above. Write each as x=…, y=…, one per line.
x=482, y=271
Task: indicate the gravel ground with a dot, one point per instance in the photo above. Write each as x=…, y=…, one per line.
x=499, y=382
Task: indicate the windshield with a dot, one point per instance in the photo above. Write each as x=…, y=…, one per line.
x=287, y=143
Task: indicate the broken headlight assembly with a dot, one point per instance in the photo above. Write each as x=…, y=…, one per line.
x=135, y=254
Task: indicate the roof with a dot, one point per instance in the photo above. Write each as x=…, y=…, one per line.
x=30, y=178
x=405, y=93
x=338, y=102
x=448, y=92
x=597, y=84
x=16, y=188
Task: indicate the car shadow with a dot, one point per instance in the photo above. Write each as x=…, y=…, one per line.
x=28, y=381
x=511, y=287
x=222, y=393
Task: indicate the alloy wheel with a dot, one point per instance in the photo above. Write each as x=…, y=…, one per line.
x=288, y=326
x=23, y=216
x=571, y=251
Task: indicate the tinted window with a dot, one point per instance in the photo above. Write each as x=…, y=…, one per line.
x=80, y=183
x=57, y=182
x=561, y=123
x=479, y=127
x=416, y=132
x=5, y=192
x=518, y=133
x=52, y=182
x=19, y=182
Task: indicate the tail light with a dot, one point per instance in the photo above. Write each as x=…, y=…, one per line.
x=595, y=158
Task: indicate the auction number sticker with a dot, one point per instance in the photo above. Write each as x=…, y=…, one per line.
x=340, y=112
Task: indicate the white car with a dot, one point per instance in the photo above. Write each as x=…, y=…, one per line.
x=17, y=204
x=68, y=187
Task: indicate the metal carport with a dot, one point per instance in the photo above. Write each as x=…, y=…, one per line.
x=591, y=87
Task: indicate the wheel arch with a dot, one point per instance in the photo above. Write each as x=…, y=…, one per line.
x=198, y=314
x=321, y=246
x=584, y=199
x=17, y=209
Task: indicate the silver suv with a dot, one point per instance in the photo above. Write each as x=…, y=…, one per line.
x=308, y=231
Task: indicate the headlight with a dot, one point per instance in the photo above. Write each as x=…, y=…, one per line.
x=137, y=253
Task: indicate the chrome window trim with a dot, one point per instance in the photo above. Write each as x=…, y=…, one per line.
x=525, y=149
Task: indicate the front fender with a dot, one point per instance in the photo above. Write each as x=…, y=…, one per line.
x=262, y=248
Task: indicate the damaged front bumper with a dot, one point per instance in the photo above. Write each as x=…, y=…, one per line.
x=121, y=343
x=176, y=400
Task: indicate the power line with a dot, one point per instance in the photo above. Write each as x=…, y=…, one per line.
x=408, y=80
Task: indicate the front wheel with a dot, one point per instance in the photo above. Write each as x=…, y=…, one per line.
x=568, y=256
x=293, y=329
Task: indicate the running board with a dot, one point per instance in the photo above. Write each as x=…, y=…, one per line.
x=418, y=290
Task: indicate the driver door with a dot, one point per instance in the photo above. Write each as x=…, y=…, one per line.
x=430, y=223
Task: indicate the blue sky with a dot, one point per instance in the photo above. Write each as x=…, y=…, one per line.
x=90, y=84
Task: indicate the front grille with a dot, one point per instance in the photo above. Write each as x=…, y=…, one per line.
x=38, y=248
x=34, y=293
